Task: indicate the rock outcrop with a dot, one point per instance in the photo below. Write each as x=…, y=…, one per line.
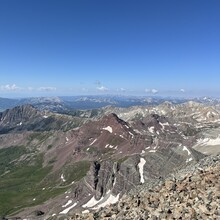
x=191, y=193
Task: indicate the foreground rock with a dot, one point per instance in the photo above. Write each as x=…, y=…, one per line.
x=192, y=193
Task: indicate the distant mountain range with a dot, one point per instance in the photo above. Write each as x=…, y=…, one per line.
x=68, y=103
x=57, y=163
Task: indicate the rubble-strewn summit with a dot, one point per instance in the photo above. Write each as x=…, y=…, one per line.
x=192, y=193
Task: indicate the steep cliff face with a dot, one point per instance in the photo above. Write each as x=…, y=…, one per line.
x=107, y=181
x=117, y=178
x=191, y=193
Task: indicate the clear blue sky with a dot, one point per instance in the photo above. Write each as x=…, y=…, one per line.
x=71, y=47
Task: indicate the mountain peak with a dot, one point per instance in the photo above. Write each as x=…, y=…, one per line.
x=18, y=115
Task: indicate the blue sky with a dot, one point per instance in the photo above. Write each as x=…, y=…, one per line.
x=72, y=47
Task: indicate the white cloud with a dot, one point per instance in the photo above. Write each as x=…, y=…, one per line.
x=182, y=90
x=8, y=87
x=153, y=91
x=102, y=88
x=121, y=90
x=47, y=89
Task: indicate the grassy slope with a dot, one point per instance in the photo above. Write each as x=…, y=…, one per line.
x=25, y=183
x=19, y=180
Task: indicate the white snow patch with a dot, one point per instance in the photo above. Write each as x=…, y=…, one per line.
x=108, y=191
x=65, y=211
x=121, y=136
x=141, y=169
x=62, y=178
x=68, y=203
x=188, y=160
x=137, y=131
x=165, y=124
x=67, y=197
x=214, y=113
x=93, y=142
x=43, y=188
x=68, y=191
x=208, y=114
x=106, y=145
x=108, y=128
x=132, y=135
x=163, y=112
x=143, y=151
x=209, y=141
x=161, y=125
x=85, y=211
x=186, y=149
x=67, y=139
x=54, y=214
x=45, y=116
x=87, y=149
x=111, y=200
x=147, y=148
x=34, y=199
x=92, y=202
x=110, y=146
x=151, y=129
x=114, y=182
x=152, y=151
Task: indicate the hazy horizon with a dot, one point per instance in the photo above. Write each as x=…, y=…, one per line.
x=13, y=96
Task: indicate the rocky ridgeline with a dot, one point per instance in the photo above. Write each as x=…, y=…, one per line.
x=192, y=193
